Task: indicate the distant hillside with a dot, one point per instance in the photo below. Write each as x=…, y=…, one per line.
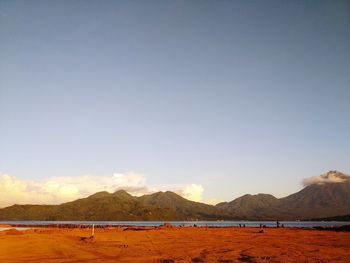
x=318, y=200
x=333, y=218
x=250, y=206
x=117, y=206
x=324, y=197
x=184, y=207
x=328, y=196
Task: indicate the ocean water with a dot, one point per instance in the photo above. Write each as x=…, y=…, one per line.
x=302, y=224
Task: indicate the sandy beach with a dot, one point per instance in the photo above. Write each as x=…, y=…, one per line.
x=174, y=244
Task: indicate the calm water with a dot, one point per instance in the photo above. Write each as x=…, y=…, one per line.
x=186, y=223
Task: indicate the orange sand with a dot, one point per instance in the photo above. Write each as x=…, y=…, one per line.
x=166, y=245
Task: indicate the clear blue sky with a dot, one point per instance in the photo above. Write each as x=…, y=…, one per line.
x=238, y=96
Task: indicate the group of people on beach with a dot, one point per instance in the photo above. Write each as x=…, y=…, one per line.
x=278, y=224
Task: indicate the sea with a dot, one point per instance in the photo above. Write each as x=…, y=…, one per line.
x=298, y=224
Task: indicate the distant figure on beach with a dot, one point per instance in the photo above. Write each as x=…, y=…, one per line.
x=277, y=224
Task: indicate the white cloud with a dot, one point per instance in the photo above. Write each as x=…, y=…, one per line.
x=62, y=189
x=193, y=192
x=330, y=177
x=57, y=190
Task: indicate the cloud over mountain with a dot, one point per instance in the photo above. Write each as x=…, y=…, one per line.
x=329, y=177
x=193, y=192
x=56, y=190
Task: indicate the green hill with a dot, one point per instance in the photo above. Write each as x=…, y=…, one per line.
x=117, y=206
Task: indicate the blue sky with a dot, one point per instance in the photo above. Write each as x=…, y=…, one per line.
x=235, y=96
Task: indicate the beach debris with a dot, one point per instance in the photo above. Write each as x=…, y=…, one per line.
x=167, y=225
x=123, y=245
x=138, y=228
x=13, y=231
x=90, y=238
x=197, y=260
x=245, y=257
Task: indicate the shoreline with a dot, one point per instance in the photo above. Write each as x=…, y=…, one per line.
x=345, y=227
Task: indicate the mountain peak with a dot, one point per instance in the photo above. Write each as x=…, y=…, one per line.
x=332, y=176
x=122, y=193
x=100, y=194
x=335, y=175
x=165, y=195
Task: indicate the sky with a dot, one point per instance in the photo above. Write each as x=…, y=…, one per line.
x=210, y=99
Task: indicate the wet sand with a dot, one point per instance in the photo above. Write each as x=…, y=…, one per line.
x=174, y=244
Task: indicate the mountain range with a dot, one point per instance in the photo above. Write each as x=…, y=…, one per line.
x=328, y=196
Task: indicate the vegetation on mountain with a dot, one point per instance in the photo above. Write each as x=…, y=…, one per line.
x=117, y=206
